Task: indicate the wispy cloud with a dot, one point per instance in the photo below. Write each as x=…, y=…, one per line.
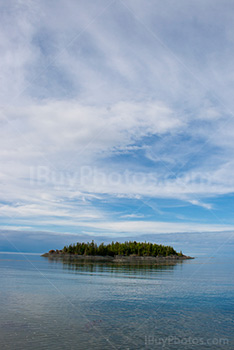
x=109, y=109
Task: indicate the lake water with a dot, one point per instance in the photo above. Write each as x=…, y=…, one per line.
x=51, y=305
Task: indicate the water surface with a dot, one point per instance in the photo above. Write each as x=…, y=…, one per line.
x=50, y=305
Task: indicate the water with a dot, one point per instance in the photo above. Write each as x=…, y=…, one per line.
x=51, y=305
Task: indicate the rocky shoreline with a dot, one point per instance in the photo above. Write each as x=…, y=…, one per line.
x=132, y=259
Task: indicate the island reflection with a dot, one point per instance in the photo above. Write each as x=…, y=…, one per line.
x=131, y=268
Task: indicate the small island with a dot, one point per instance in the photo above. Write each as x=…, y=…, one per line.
x=115, y=252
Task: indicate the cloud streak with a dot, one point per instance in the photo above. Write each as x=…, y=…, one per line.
x=111, y=109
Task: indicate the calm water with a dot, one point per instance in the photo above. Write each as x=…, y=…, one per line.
x=51, y=305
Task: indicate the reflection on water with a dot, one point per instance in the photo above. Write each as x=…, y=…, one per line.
x=50, y=304
x=114, y=267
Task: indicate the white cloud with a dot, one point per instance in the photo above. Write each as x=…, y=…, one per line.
x=204, y=205
x=147, y=108
x=59, y=127
x=126, y=228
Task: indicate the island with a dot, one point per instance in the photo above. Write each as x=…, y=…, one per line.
x=131, y=252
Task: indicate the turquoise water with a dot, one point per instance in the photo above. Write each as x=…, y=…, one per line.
x=51, y=305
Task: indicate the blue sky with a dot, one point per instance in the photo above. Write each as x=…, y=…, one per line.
x=116, y=118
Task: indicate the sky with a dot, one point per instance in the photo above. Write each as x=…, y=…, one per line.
x=116, y=120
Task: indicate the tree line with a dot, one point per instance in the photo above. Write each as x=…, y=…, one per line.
x=116, y=248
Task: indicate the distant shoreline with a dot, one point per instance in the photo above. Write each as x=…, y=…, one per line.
x=132, y=259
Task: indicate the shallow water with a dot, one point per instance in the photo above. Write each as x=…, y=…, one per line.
x=50, y=305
